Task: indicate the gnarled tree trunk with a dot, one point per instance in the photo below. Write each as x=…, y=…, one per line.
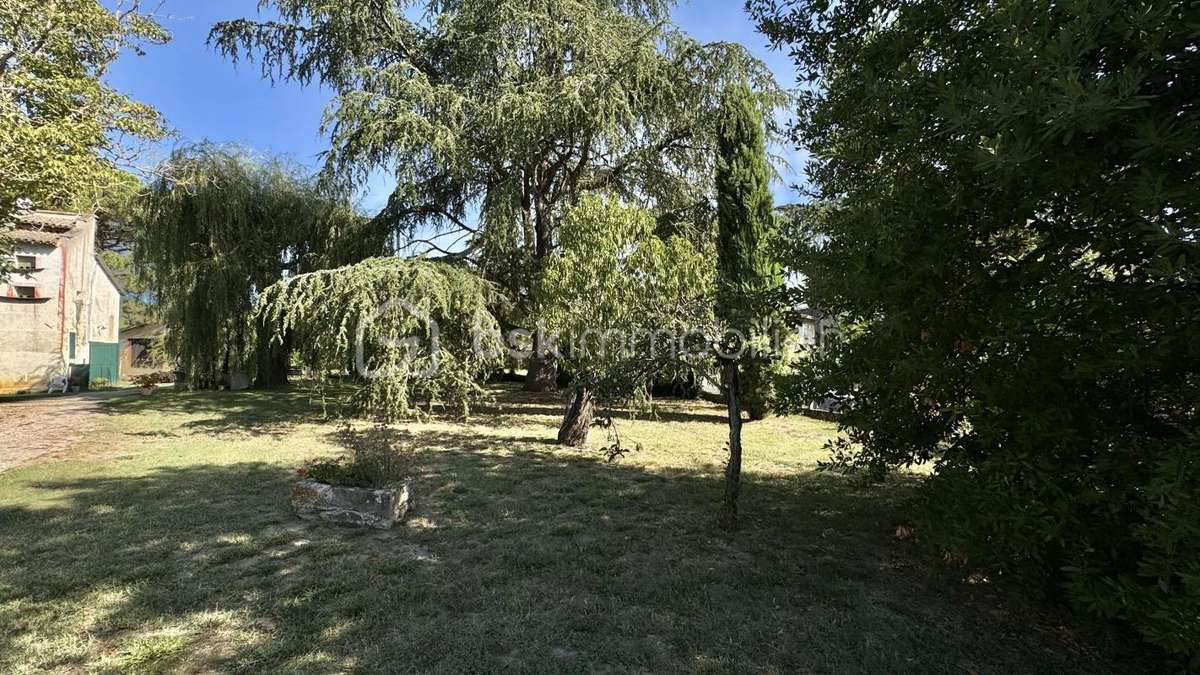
x=578, y=421
x=733, y=470
x=542, y=374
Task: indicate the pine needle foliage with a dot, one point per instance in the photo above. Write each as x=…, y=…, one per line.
x=411, y=332
x=219, y=226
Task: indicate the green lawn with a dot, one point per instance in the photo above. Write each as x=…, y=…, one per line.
x=169, y=546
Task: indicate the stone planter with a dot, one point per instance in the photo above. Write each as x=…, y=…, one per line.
x=364, y=507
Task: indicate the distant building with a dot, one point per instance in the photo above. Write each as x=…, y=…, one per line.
x=137, y=349
x=813, y=327
x=809, y=329
x=60, y=311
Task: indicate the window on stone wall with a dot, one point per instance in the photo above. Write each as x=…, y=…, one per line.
x=25, y=292
x=27, y=262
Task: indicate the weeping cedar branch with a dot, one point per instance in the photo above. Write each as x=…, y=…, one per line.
x=427, y=331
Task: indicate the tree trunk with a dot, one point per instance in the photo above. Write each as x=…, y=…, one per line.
x=578, y=421
x=273, y=359
x=542, y=374
x=733, y=470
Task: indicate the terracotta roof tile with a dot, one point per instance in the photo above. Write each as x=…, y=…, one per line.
x=57, y=221
x=32, y=236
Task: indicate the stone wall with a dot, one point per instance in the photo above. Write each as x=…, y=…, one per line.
x=31, y=341
x=74, y=296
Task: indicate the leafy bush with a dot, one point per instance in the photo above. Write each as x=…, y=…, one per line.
x=378, y=460
x=621, y=299
x=1008, y=235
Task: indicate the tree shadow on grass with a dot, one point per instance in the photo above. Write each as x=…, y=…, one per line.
x=515, y=406
x=530, y=560
x=275, y=412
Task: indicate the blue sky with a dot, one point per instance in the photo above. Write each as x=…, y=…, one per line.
x=205, y=96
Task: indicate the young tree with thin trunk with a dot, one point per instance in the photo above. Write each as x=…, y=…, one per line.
x=747, y=276
x=508, y=109
x=621, y=301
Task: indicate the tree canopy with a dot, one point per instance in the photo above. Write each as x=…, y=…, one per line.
x=63, y=131
x=61, y=126
x=507, y=110
x=216, y=229
x=1008, y=234
x=750, y=280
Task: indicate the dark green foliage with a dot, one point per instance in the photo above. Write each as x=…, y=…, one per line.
x=746, y=270
x=749, y=275
x=1010, y=240
x=216, y=229
x=746, y=276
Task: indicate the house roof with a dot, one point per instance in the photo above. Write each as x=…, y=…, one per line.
x=146, y=330
x=32, y=237
x=111, y=276
x=43, y=227
x=51, y=221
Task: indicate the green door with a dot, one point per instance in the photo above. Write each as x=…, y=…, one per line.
x=105, y=359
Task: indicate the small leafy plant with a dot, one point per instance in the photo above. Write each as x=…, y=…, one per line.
x=147, y=380
x=378, y=459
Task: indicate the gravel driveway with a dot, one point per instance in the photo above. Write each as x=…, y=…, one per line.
x=33, y=429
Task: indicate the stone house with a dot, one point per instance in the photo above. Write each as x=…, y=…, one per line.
x=60, y=311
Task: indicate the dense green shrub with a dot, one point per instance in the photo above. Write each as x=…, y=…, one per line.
x=1008, y=234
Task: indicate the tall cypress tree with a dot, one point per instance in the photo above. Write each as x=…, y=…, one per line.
x=747, y=274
